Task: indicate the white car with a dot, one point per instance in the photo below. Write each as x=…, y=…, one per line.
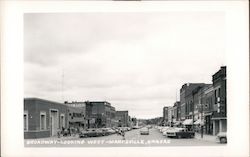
x=222, y=137
x=144, y=131
x=164, y=130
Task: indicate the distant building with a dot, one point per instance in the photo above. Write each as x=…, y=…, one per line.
x=76, y=114
x=186, y=100
x=123, y=118
x=176, y=112
x=100, y=114
x=165, y=115
x=43, y=118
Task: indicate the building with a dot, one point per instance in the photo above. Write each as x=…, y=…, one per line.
x=170, y=116
x=165, y=115
x=219, y=116
x=76, y=114
x=43, y=118
x=186, y=99
x=176, y=113
x=208, y=101
x=123, y=118
x=100, y=114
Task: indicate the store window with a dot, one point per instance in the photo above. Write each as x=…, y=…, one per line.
x=25, y=120
x=42, y=120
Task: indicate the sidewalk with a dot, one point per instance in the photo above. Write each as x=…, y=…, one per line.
x=206, y=137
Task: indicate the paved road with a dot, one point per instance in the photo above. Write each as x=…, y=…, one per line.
x=132, y=138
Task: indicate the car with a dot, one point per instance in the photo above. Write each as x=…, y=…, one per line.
x=221, y=137
x=180, y=133
x=144, y=131
x=164, y=130
x=149, y=126
x=91, y=133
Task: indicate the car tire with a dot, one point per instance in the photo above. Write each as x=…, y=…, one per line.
x=179, y=136
x=223, y=140
x=191, y=136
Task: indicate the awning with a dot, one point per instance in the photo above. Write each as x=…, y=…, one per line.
x=188, y=122
x=199, y=121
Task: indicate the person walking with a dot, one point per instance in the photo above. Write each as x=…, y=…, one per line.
x=123, y=134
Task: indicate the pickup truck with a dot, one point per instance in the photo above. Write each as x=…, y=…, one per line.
x=180, y=133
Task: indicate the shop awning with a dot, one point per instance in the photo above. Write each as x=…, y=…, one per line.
x=199, y=121
x=188, y=122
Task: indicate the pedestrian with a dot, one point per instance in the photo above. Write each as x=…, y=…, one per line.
x=123, y=135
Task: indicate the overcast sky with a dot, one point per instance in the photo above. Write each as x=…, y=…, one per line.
x=136, y=61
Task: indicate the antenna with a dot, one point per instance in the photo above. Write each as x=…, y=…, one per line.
x=62, y=85
x=176, y=95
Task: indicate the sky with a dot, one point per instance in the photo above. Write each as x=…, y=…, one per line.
x=137, y=61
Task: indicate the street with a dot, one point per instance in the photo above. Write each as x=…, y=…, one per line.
x=132, y=139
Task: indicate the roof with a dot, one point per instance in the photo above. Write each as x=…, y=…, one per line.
x=39, y=99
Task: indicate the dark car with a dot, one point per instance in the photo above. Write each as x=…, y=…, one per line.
x=180, y=133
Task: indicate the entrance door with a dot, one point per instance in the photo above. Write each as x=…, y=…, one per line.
x=53, y=122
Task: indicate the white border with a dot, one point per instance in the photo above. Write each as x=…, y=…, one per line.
x=237, y=76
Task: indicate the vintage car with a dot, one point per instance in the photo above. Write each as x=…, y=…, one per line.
x=221, y=137
x=108, y=131
x=91, y=133
x=180, y=133
x=164, y=130
x=144, y=131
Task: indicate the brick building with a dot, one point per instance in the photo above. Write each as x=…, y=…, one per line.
x=219, y=116
x=100, y=114
x=43, y=118
x=76, y=114
x=123, y=118
x=165, y=115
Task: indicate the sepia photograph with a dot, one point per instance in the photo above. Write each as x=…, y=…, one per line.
x=138, y=78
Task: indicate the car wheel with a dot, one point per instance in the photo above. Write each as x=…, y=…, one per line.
x=178, y=136
x=191, y=136
x=223, y=140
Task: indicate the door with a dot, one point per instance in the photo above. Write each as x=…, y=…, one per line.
x=54, y=122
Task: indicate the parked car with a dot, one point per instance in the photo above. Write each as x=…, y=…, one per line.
x=164, y=130
x=144, y=131
x=91, y=133
x=222, y=137
x=180, y=133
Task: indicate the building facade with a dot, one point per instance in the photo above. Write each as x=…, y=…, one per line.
x=123, y=118
x=43, y=118
x=219, y=116
x=100, y=114
x=76, y=114
x=165, y=115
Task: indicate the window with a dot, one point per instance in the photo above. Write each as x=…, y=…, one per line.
x=62, y=120
x=42, y=120
x=25, y=120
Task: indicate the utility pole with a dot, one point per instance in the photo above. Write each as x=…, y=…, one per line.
x=201, y=120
